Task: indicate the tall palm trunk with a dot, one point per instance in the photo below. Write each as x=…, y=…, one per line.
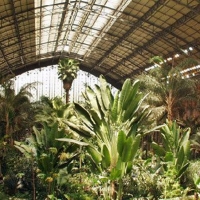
x=8, y=134
x=170, y=107
x=67, y=96
x=67, y=85
x=7, y=125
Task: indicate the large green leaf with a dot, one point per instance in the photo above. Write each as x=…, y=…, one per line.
x=131, y=94
x=182, y=170
x=169, y=157
x=121, y=142
x=180, y=158
x=96, y=117
x=123, y=94
x=27, y=150
x=126, y=153
x=91, y=96
x=106, y=156
x=72, y=141
x=133, y=107
x=83, y=131
x=106, y=94
x=115, y=174
x=135, y=147
x=84, y=115
x=158, y=150
x=95, y=154
x=114, y=108
x=102, y=108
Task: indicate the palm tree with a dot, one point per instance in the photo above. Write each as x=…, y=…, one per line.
x=167, y=87
x=67, y=72
x=16, y=110
x=190, y=111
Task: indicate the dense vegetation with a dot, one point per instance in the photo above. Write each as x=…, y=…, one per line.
x=137, y=143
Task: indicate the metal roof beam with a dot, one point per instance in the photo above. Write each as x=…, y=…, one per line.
x=53, y=61
x=134, y=27
x=7, y=63
x=61, y=24
x=157, y=26
x=17, y=32
x=186, y=5
x=30, y=10
x=158, y=35
x=194, y=43
x=82, y=23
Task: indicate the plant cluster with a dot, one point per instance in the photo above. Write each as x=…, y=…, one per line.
x=94, y=150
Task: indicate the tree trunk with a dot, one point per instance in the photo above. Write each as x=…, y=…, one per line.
x=67, y=85
x=120, y=189
x=170, y=107
x=67, y=96
x=8, y=134
x=113, y=192
x=7, y=125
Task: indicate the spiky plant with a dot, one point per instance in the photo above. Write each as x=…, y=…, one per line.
x=112, y=125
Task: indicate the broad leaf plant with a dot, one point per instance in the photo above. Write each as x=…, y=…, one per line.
x=112, y=125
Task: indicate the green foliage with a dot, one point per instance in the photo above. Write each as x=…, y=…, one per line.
x=169, y=183
x=167, y=88
x=67, y=69
x=10, y=184
x=192, y=176
x=175, y=149
x=174, y=155
x=196, y=180
x=16, y=111
x=143, y=181
x=3, y=195
x=51, y=155
x=67, y=72
x=112, y=126
x=16, y=169
x=195, y=141
x=81, y=185
x=109, y=119
x=49, y=150
x=53, y=110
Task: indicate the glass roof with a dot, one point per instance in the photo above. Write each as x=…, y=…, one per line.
x=115, y=38
x=85, y=23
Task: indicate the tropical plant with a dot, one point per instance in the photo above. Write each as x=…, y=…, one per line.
x=175, y=147
x=193, y=178
x=54, y=110
x=174, y=155
x=16, y=110
x=168, y=88
x=51, y=155
x=195, y=142
x=67, y=72
x=113, y=128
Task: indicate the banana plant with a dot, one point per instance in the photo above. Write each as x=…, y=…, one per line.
x=112, y=125
x=175, y=149
x=67, y=72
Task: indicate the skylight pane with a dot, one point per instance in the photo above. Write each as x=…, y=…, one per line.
x=46, y=18
x=83, y=25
